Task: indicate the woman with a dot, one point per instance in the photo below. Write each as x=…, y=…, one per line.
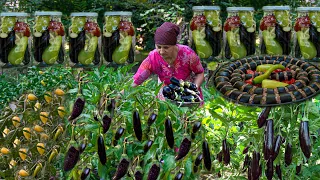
x=170, y=59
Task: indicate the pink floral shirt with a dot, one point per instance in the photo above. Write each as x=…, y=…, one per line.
x=186, y=65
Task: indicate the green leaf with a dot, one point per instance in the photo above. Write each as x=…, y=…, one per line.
x=169, y=162
x=71, y=91
x=188, y=167
x=102, y=170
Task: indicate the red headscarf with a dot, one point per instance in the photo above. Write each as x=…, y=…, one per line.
x=167, y=34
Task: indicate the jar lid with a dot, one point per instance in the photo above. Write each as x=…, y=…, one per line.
x=308, y=8
x=118, y=13
x=84, y=14
x=17, y=14
x=48, y=13
x=266, y=8
x=240, y=9
x=202, y=8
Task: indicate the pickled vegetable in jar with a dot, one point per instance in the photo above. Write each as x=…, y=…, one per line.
x=239, y=29
x=118, y=39
x=14, y=39
x=48, y=38
x=275, y=30
x=307, y=33
x=84, y=40
x=206, y=32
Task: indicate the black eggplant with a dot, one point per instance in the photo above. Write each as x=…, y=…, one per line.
x=268, y=140
x=152, y=118
x=178, y=176
x=77, y=109
x=304, y=137
x=276, y=146
x=269, y=170
x=102, y=150
x=198, y=160
x=71, y=159
x=226, y=152
x=183, y=149
x=147, y=146
x=85, y=173
x=288, y=154
x=122, y=169
x=206, y=155
x=169, y=133
x=263, y=116
x=137, y=125
x=106, y=123
x=278, y=171
x=153, y=172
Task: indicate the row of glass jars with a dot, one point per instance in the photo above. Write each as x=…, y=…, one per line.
x=87, y=44
x=236, y=38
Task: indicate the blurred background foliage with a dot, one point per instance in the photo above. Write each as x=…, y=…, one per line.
x=147, y=14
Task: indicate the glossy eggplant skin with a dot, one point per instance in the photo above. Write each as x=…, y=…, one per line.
x=85, y=173
x=78, y=107
x=304, y=138
x=183, y=149
x=255, y=169
x=269, y=170
x=147, y=146
x=198, y=160
x=276, y=146
x=169, y=133
x=102, y=150
x=268, y=140
x=106, y=123
x=122, y=169
x=179, y=176
x=71, y=159
x=263, y=116
x=226, y=152
x=152, y=118
x=278, y=171
x=206, y=155
x=288, y=154
x=153, y=172
x=137, y=125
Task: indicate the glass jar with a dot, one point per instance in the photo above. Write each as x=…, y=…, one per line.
x=306, y=33
x=118, y=39
x=275, y=30
x=84, y=40
x=239, y=33
x=206, y=32
x=14, y=40
x=48, y=38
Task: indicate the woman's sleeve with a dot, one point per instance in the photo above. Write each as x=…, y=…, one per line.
x=143, y=72
x=195, y=64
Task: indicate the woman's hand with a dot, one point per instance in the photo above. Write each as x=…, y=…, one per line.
x=199, y=79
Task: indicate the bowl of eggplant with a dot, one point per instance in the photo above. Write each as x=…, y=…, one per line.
x=182, y=93
x=267, y=80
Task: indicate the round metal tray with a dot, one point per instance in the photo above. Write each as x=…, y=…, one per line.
x=269, y=97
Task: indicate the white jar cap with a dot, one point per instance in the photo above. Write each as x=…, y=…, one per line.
x=17, y=14
x=308, y=9
x=203, y=8
x=90, y=14
x=240, y=9
x=118, y=13
x=270, y=8
x=48, y=13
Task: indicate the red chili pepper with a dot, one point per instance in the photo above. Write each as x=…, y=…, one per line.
x=250, y=72
x=249, y=81
x=291, y=81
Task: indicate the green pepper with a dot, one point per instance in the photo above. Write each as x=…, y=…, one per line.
x=263, y=67
x=50, y=54
x=260, y=78
x=267, y=83
x=237, y=48
x=273, y=47
x=308, y=50
x=16, y=54
x=121, y=53
x=203, y=48
x=86, y=55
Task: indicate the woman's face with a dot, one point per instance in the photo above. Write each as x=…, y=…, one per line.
x=166, y=51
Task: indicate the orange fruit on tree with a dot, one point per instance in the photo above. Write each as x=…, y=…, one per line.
x=16, y=142
x=27, y=133
x=32, y=97
x=61, y=111
x=44, y=117
x=16, y=121
x=23, y=173
x=59, y=92
x=12, y=163
x=37, y=106
x=5, y=132
x=38, y=128
x=40, y=148
x=44, y=136
x=48, y=96
x=4, y=150
x=23, y=153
